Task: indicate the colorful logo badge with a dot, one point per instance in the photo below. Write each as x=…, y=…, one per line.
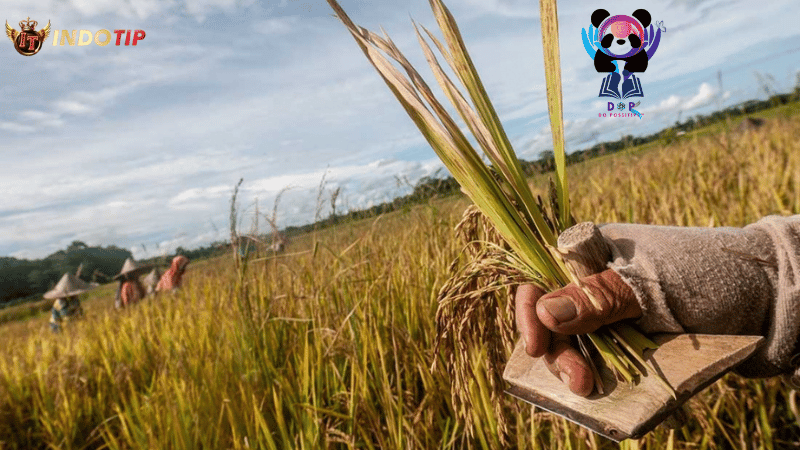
x=28, y=41
x=621, y=46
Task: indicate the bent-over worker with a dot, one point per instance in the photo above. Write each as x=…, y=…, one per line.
x=67, y=305
x=130, y=289
x=172, y=278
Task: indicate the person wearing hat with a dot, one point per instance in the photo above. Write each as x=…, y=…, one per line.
x=171, y=280
x=130, y=289
x=67, y=304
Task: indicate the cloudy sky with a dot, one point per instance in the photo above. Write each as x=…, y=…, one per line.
x=141, y=146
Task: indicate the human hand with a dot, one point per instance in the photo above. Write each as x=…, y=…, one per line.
x=546, y=320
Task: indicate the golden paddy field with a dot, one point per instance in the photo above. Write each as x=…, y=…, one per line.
x=331, y=344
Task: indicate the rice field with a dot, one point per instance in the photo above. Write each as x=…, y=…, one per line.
x=331, y=344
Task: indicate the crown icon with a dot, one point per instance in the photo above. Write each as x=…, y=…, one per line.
x=28, y=24
x=28, y=42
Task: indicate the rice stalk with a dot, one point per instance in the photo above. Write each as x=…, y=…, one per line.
x=523, y=249
x=135, y=379
x=496, y=196
x=548, y=13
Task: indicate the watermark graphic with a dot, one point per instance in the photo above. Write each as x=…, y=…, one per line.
x=618, y=110
x=28, y=41
x=621, y=46
x=101, y=38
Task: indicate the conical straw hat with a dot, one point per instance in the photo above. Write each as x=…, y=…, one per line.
x=152, y=277
x=131, y=268
x=68, y=286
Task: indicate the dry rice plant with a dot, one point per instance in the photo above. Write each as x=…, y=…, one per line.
x=336, y=348
x=525, y=247
x=475, y=312
x=341, y=343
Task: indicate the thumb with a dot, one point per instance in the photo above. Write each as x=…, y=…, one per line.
x=570, y=311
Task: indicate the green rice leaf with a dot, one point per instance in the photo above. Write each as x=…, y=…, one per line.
x=502, y=154
x=548, y=12
x=501, y=192
x=611, y=357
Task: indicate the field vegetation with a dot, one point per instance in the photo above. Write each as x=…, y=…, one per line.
x=23, y=281
x=330, y=345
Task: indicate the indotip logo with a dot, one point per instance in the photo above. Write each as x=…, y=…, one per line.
x=28, y=41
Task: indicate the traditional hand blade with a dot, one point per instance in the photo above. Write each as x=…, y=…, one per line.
x=689, y=362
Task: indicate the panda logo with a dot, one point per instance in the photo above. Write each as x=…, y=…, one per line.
x=622, y=40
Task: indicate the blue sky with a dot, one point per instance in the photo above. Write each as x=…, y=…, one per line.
x=141, y=146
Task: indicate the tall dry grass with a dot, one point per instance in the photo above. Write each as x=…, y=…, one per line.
x=332, y=347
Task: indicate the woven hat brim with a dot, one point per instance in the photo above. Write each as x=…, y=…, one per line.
x=137, y=271
x=59, y=294
x=68, y=286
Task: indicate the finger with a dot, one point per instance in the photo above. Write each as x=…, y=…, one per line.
x=566, y=363
x=535, y=335
x=571, y=311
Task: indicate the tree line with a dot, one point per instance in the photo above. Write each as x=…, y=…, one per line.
x=23, y=280
x=429, y=187
x=20, y=279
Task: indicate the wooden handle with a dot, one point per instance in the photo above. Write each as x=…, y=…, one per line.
x=689, y=363
x=586, y=252
x=584, y=249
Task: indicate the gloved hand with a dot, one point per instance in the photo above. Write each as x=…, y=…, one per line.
x=743, y=281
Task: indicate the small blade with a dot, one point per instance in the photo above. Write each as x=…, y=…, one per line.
x=688, y=362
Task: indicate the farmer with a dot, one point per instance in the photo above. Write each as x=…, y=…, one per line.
x=67, y=305
x=743, y=281
x=171, y=280
x=130, y=289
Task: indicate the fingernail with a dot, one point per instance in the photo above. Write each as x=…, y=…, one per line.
x=565, y=378
x=561, y=308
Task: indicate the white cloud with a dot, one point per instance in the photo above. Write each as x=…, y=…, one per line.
x=16, y=127
x=672, y=103
x=509, y=8
x=37, y=115
x=277, y=25
x=145, y=145
x=706, y=95
x=73, y=107
x=200, y=9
